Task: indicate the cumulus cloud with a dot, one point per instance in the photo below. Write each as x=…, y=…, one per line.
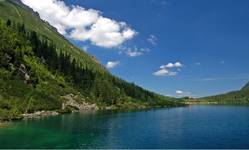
x=152, y=40
x=164, y=72
x=112, y=64
x=82, y=24
x=170, y=69
x=172, y=65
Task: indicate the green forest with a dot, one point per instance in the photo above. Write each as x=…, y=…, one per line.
x=235, y=97
x=36, y=71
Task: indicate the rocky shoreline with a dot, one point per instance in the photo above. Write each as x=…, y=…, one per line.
x=71, y=104
x=40, y=114
x=68, y=106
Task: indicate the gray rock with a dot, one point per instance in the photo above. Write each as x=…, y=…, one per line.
x=69, y=100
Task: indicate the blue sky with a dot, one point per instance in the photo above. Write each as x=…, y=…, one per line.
x=202, y=46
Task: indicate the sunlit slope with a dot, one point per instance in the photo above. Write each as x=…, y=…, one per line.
x=16, y=11
x=39, y=68
x=234, y=97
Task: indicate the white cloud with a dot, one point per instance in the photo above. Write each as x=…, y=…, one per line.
x=179, y=92
x=112, y=64
x=83, y=24
x=164, y=72
x=198, y=64
x=170, y=69
x=133, y=52
x=182, y=93
x=152, y=39
x=172, y=65
x=169, y=65
x=178, y=65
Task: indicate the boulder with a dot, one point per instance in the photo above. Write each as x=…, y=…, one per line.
x=69, y=101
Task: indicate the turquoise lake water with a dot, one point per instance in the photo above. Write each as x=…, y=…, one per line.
x=196, y=126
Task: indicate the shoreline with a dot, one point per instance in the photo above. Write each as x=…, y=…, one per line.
x=3, y=124
x=48, y=113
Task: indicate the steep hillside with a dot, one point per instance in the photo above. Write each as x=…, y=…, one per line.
x=235, y=97
x=41, y=70
x=17, y=12
x=246, y=87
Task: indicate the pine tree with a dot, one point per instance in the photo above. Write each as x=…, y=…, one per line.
x=8, y=23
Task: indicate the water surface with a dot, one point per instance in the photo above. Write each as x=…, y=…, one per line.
x=185, y=127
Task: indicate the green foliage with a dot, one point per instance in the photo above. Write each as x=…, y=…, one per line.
x=236, y=97
x=38, y=66
x=17, y=13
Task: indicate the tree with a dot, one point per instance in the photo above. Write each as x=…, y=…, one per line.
x=8, y=23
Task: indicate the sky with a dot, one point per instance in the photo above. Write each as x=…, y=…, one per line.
x=173, y=47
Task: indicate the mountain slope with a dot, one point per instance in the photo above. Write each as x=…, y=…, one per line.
x=19, y=13
x=235, y=97
x=246, y=87
x=41, y=70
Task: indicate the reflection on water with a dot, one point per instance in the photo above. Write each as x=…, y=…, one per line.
x=185, y=127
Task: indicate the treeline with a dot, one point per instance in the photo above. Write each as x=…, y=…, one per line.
x=94, y=85
x=236, y=97
x=99, y=87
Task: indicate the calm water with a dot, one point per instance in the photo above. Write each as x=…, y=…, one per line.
x=187, y=127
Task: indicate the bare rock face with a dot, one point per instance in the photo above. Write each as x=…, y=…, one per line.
x=23, y=72
x=22, y=69
x=27, y=77
x=69, y=101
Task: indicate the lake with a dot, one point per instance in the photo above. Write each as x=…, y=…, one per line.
x=197, y=126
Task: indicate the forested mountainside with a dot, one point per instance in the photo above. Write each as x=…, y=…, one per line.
x=235, y=97
x=41, y=70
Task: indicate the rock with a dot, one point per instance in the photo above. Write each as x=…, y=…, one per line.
x=112, y=107
x=22, y=69
x=39, y=114
x=69, y=101
x=23, y=72
x=27, y=77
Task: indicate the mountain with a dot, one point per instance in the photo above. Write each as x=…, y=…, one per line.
x=41, y=70
x=235, y=97
x=246, y=87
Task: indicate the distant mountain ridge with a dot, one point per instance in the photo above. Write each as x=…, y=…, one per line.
x=246, y=87
x=234, y=97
